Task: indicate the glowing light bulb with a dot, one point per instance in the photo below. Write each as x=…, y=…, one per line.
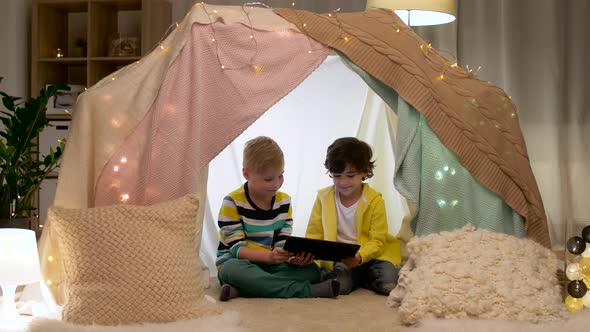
x=446, y=168
x=123, y=159
x=222, y=67
x=573, y=272
x=113, y=78
x=441, y=202
x=438, y=175
x=212, y=39
x=49, y=282
x=441, y=77
x=116, y=168
x=304, y=25
x=454, y=202
x=50, y=258
x=257, y=68
x=397, y=30
x=124, y=197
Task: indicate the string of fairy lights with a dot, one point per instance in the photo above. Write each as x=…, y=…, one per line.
x=213, y=15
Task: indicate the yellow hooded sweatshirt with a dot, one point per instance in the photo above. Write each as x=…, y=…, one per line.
x=371, y=226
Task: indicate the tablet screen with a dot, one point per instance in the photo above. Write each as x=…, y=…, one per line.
x=321, y=249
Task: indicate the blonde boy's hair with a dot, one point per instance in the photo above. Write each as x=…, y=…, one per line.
x=262, y=153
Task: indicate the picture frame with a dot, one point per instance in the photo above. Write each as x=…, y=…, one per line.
x=63, y=101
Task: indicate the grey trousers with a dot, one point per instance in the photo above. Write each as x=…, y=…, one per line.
x=376, y=275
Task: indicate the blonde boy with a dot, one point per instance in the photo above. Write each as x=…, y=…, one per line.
x=254, y=221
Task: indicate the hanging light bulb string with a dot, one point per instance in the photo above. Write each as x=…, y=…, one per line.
x=164, y=36
x=156, y=46
x=343, y=35
x=251, y=4
x=215, y=40
x=333, y=15
x=303, y=26
x=443, y=68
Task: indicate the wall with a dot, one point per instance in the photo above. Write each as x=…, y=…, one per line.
x=15, y=19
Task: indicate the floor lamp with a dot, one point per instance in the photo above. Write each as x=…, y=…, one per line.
x=419, y=12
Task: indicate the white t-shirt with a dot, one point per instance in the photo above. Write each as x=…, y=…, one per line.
x=346, y=221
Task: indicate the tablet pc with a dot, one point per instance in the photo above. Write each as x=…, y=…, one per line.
x=321, y=249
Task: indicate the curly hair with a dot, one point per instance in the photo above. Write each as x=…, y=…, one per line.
x=350, y=151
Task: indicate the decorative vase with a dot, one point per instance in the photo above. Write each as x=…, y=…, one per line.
x=78, y=52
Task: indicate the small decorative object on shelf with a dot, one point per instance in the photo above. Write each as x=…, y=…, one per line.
x=578, y=272
x=79, y=48
x=63, y=101
x=58, y=53
x=123, y=45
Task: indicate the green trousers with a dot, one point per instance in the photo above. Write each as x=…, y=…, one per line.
x=269, y=280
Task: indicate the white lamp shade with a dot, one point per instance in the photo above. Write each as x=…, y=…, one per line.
x=419, y=12
x=19, y=259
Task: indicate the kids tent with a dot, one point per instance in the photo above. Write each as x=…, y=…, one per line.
x=148, y=132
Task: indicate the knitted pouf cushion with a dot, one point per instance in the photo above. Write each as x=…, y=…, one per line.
x=131, y=264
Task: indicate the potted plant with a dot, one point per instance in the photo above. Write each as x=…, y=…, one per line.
x=21, y=169
x=79, y=47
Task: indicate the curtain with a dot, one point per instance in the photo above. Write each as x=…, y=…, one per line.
x=538, y=51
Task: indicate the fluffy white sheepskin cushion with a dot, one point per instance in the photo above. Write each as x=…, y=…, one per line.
x=131, y=264
x=481, y=274
x=228, y=322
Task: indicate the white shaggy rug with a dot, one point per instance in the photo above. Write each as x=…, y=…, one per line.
x=360, y=311
x=578, y=322
x=227, y=322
